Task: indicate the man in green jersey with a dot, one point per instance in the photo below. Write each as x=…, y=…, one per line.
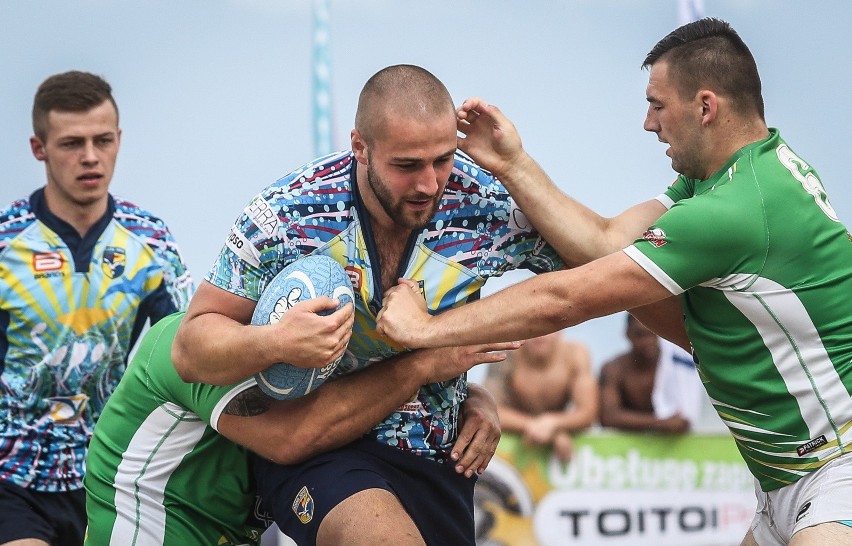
x=745, y=262
x=168, y=464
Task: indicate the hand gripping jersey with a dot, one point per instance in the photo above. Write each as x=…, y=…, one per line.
x=70, y=310
x=764, y=269
x=158, y=472
x=476, y=233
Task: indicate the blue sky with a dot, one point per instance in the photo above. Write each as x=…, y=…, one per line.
x=215, y=95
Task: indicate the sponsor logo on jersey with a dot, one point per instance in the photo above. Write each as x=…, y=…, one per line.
x=803, y=510
x=655, y=236
x=356, y=277
x=47, y=261
x=263, y=216
x=113, y=261
x=303, y=505
x=411, y=407
x=539, y=245
x=241, y=246
x=812, y=445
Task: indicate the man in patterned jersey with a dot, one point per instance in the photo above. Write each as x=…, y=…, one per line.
x=745, y=237
x=80, y=274
x=168, y=466
x=402, y=202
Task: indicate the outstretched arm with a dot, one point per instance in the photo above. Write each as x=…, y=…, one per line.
x=537, y=306
x=579, y=234
x=217, y=345
x=342, y=410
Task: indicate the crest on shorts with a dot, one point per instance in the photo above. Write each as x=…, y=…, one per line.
x=113, y=261
x=303, y=505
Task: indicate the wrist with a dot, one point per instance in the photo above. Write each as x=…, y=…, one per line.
x=517, y=169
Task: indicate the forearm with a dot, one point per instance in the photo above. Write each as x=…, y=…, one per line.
x=337, y=413
x=512, y=420
x=625, y=419
x=214, y=349
x=578, y=233
x=574, y=421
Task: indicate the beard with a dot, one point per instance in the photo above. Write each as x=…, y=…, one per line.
x=396, y=209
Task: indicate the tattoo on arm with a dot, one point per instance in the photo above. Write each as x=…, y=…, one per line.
x=249, y=403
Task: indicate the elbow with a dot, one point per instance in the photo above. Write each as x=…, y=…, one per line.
x=182, y=361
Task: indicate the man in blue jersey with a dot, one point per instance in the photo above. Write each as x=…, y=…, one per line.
x=401, y=203
x=81, y=272
x=744, y=253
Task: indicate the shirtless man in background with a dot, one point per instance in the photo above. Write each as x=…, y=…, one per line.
x=546, y=391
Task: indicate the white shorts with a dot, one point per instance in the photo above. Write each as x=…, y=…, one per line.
x=820, y=497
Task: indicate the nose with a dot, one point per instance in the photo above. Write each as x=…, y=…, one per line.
x=88, y=153
x=428, y=181
x=651, y=124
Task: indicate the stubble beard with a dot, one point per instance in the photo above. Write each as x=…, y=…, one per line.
x=396, y=211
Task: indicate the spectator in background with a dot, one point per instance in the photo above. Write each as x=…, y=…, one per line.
x=652, y=387
x=545, y=392
x=81, y=272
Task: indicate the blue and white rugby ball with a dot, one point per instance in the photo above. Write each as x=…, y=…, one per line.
x=304, y=279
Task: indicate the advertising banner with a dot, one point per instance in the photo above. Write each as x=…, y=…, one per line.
x=618, y=489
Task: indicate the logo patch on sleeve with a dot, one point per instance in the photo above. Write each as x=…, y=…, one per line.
x=655, y=236
x=812, y=445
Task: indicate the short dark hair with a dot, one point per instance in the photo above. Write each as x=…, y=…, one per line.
x=72, y=91
x=709, y=52
x=403, y=89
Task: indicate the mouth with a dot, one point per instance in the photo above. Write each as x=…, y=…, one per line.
x=419, y=204
x=90, y=178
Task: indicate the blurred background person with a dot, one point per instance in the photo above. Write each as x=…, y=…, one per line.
x=654, y=386
x=546, y=391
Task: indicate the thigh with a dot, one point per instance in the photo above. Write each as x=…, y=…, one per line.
x=749, y=540
x=833, y=533
x=367, y=518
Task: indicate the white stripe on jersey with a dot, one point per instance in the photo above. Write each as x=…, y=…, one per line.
x=797, y=351
x=653, y=270
x=144, y=471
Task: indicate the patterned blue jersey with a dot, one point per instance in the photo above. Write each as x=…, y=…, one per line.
x=476, y=233
x=71, y=308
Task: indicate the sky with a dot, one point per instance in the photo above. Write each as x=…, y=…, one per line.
x=215, y=95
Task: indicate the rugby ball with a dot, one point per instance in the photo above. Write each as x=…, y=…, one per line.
x=306, y=278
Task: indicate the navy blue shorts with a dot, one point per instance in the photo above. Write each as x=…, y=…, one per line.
x=439, y=500
x=56, y=518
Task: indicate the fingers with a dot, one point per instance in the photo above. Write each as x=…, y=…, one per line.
x=473, y=453
x=471, y=107
x=319, y=304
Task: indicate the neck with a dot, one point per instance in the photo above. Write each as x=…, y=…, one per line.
x=79, y=216
x=730, y=140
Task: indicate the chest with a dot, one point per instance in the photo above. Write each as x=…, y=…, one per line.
x=537, y=390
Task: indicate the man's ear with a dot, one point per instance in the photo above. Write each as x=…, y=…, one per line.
x=359, y=146
x=709, y=106
x=37, y=147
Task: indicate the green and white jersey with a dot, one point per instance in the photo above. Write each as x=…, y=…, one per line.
x=764, y=270
x=158, y=473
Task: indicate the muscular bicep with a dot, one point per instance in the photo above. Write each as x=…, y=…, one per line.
x=210, y=299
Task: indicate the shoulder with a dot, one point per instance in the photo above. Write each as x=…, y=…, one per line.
x=575, y=354
x=137, y=219
x=14, y=218
x=614, y=369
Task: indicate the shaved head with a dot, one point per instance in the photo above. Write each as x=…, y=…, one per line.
x=404, y=91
